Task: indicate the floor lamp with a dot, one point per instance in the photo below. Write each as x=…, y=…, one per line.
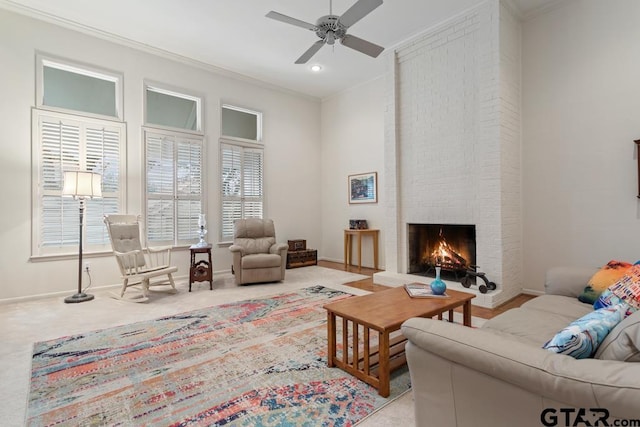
x=81, y=185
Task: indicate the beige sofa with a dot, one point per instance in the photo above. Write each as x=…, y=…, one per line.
x=499, y=375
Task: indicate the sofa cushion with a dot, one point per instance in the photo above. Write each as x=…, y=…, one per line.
x=531, y=327
x=567, y=281
x=569, y=307
x=583, y=336
x=261, y=261
x=605, y=277
x=623, y=342
x=255, y=246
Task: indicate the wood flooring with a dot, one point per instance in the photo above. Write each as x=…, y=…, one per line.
x=368, y=285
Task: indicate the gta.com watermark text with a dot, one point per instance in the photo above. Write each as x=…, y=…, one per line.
x=583, y=417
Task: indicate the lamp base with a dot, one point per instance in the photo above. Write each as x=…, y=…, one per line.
x=81, y=297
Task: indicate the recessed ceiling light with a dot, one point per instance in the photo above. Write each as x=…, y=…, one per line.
x=316, y=68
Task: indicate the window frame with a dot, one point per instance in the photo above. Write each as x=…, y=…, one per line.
x=64, y=64
x=242, y=143
x=228, y=239
x=170, y=90
x=38, y=193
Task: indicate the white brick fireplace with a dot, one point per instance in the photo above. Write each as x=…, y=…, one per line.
x=452, y=144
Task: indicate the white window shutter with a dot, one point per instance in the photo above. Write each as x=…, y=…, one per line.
x=68, y=142
x=174, y=187
x=242, y=180
x=189, y=186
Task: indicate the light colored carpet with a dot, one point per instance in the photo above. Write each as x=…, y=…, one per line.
x=22, y=324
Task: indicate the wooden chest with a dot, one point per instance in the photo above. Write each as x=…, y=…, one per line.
x=297, y=245
x=302, y=258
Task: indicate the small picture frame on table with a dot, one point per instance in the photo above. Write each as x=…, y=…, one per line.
x=363, y=188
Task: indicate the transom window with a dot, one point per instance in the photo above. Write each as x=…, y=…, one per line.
x=71, y=87
x=170, y=109
x=241, y=123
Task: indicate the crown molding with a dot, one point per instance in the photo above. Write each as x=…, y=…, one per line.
x=123, y=41
x=545, y=8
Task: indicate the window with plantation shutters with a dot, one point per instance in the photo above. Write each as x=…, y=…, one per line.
x=242, y=179
x=174, y=194
x=69, y=142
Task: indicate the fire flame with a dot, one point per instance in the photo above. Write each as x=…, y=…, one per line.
x=445, y=256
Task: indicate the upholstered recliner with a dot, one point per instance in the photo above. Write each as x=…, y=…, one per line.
x=257, y=257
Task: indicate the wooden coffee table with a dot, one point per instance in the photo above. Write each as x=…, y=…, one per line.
x=384, y=312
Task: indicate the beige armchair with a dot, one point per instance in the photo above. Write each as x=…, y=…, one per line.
x=257, y=257
x=135, y=267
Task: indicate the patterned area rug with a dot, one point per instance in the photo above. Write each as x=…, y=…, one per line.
x=260, y=362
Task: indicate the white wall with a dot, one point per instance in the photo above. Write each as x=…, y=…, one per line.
x=352, y=143
x=581, y=68
x=291, y=136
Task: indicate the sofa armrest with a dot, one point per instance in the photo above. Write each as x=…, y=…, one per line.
x=606, y=384
x=235, y=248
x=279, y=248
x=567, y=281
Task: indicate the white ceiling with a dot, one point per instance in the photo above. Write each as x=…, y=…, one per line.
x=236, y=35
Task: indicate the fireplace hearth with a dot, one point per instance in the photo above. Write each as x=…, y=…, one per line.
x=449, y=246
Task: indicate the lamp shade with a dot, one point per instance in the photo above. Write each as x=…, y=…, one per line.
x=81, y=184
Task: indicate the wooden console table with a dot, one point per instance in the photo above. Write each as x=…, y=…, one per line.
x=201, y=271
x=348, y=234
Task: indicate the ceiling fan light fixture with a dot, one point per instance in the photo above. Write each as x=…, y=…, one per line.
x=330, y=39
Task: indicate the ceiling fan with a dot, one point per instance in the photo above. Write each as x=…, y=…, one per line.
x=332, y=27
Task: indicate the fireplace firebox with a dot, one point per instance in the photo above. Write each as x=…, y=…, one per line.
x=449, y=246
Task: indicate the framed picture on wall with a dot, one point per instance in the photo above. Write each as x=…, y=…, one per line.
x=363, y=188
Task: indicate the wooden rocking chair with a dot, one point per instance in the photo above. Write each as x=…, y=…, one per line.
x=135, y=267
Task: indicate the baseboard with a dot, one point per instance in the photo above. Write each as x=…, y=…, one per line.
x=178, y=279
x=341, y=261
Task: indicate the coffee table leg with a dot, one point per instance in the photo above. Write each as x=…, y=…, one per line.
x=466, y=313
x=383, y=371
x=331, y=338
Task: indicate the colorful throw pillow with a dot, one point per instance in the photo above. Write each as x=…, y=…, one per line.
x=583, y=336
x=605, y=277
x=625, y=291
x=628, y=287
x=608, y=299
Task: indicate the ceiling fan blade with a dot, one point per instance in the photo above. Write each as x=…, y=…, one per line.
x=358, y=11
x=289, y=20
x=361, y=45
x=310, y=52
